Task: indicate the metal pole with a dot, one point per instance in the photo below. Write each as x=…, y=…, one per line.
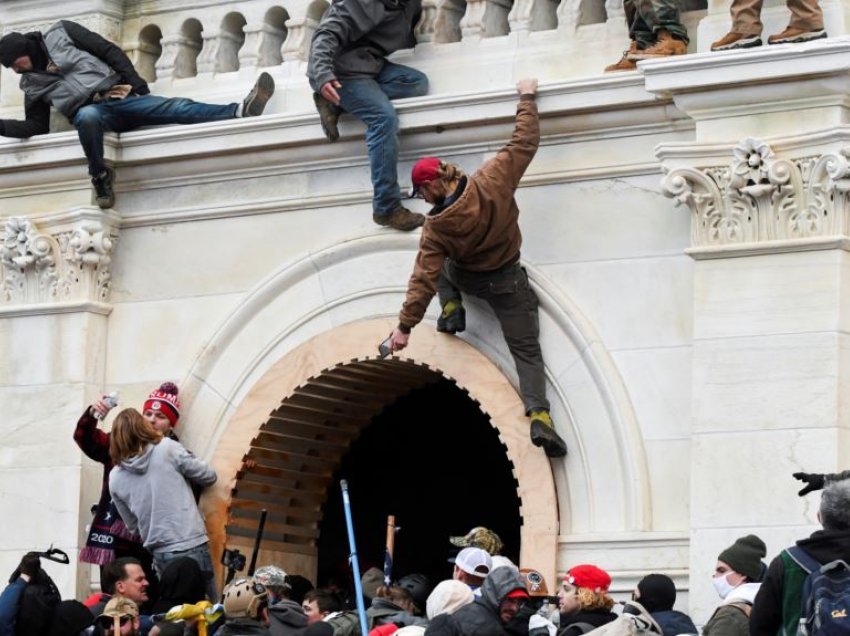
x=257, y=540
x=355, y=564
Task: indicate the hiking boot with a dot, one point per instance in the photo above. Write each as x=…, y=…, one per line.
x=543, y=434
x=625, y=64
x=104, y=196
x=400, y=219
x=665, y=46
x=328, y=116
x=793, y=35
x=732, y=41
x=260, y=94
x=453, y=318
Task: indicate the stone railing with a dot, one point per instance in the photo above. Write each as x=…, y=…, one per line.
x=168, y=44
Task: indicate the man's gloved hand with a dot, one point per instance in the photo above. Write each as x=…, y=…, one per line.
x=29, y=567
x=814, y=481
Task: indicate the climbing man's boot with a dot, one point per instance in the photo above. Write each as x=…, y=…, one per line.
x=453, y=317
x=543, y=434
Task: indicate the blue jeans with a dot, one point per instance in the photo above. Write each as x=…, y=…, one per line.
x=200, y=554
x=121, y=115
x=369, y=99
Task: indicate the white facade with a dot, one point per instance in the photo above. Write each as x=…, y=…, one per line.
x=696, y=355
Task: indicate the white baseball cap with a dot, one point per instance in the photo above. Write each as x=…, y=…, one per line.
x=474, y=561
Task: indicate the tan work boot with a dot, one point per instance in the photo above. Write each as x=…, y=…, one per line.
x=328, y=116
x=665, y=46
x=400, y=219
x=732, y=41
x=624, y=64
x=792, y=35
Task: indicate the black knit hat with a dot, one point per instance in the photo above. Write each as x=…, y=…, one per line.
x=70, y=618
x=745, y=555
x=657, y=593
x=12, y=46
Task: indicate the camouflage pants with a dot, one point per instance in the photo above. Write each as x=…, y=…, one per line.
x=646, y=17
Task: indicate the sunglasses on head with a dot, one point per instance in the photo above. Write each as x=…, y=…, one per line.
x=106, y=622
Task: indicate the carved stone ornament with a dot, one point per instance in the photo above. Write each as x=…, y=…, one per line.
x=760, y=197
x=70, y=265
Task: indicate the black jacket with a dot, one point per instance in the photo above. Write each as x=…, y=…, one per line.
x=481, y=617
x=673, y=622
x=243, y=627
x=573, y=624
x=766, y=618
x=37, y=112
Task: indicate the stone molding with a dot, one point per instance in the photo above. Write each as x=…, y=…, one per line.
x=66, y=263
x=762, y=198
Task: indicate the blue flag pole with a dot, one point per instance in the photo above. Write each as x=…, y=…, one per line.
x=355, y=564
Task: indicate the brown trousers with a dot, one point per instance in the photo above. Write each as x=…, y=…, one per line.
x=746, y=16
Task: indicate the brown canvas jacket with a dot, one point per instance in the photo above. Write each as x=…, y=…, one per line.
x=479, y=231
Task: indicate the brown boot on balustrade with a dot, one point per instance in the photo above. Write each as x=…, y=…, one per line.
x=665, y=46
x=624, y=64
x=792, y=35
x=400, y=219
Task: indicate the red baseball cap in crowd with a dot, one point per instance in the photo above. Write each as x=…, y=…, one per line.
x=517, y=593
x=589, y=576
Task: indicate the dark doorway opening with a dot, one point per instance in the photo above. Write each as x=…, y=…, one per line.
x=434, y=460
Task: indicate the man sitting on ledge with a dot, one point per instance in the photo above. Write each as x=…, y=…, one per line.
x=93, y=83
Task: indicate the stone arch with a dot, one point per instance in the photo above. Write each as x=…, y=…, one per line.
x=274, y=35
x=603, y=485
x=231, y=39
x=191, y=43
x=150, y=49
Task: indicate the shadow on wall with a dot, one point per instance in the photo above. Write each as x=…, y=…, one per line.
x=434, y=461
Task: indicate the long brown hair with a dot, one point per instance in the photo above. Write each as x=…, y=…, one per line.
x=131, y=433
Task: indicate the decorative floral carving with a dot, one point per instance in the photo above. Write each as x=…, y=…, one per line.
x=73, y=264
x=760, y=197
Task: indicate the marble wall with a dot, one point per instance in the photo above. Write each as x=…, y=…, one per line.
x=691, y=275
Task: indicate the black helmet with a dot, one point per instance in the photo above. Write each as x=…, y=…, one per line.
x=419, y=588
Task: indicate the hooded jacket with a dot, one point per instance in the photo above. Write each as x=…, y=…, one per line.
x=153, y=497
x=479, y=231
x=383, y=612
x=674, y=622
x=286, y=618
x=732, y=617
x=481, y=617
x=86, y=64
x=784, y=581
x=355, y=36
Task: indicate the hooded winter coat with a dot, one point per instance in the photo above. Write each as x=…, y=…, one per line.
x=481, y=617
x=784, y=583
x=479, y=231
x=732, y=618
x=153, y=496
x=383, y=612
x=286, y=618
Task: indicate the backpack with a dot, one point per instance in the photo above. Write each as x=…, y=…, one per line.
x=345, y=623
x=826, y=596
x=37, y=606
x=634, y=621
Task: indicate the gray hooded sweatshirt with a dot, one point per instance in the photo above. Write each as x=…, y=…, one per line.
x=154, y=499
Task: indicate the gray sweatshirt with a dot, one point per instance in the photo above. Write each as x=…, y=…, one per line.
x=154, y=499
x=354, y=37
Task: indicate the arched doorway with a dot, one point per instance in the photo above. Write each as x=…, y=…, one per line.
x=296, y=424
x=410, y=442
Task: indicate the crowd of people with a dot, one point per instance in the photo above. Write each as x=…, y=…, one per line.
x=484, y=593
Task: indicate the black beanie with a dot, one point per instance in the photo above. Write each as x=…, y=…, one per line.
x=657, y=593
x=745, y=555
x=70, y=618
x=12, y=46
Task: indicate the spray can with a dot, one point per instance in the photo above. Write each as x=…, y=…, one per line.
x=111, y=400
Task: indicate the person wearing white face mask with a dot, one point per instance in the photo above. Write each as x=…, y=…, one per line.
x=736, y=579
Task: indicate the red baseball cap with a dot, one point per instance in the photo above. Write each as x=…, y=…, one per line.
x=589, y=576
x=424, y=170
x=517, y=593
